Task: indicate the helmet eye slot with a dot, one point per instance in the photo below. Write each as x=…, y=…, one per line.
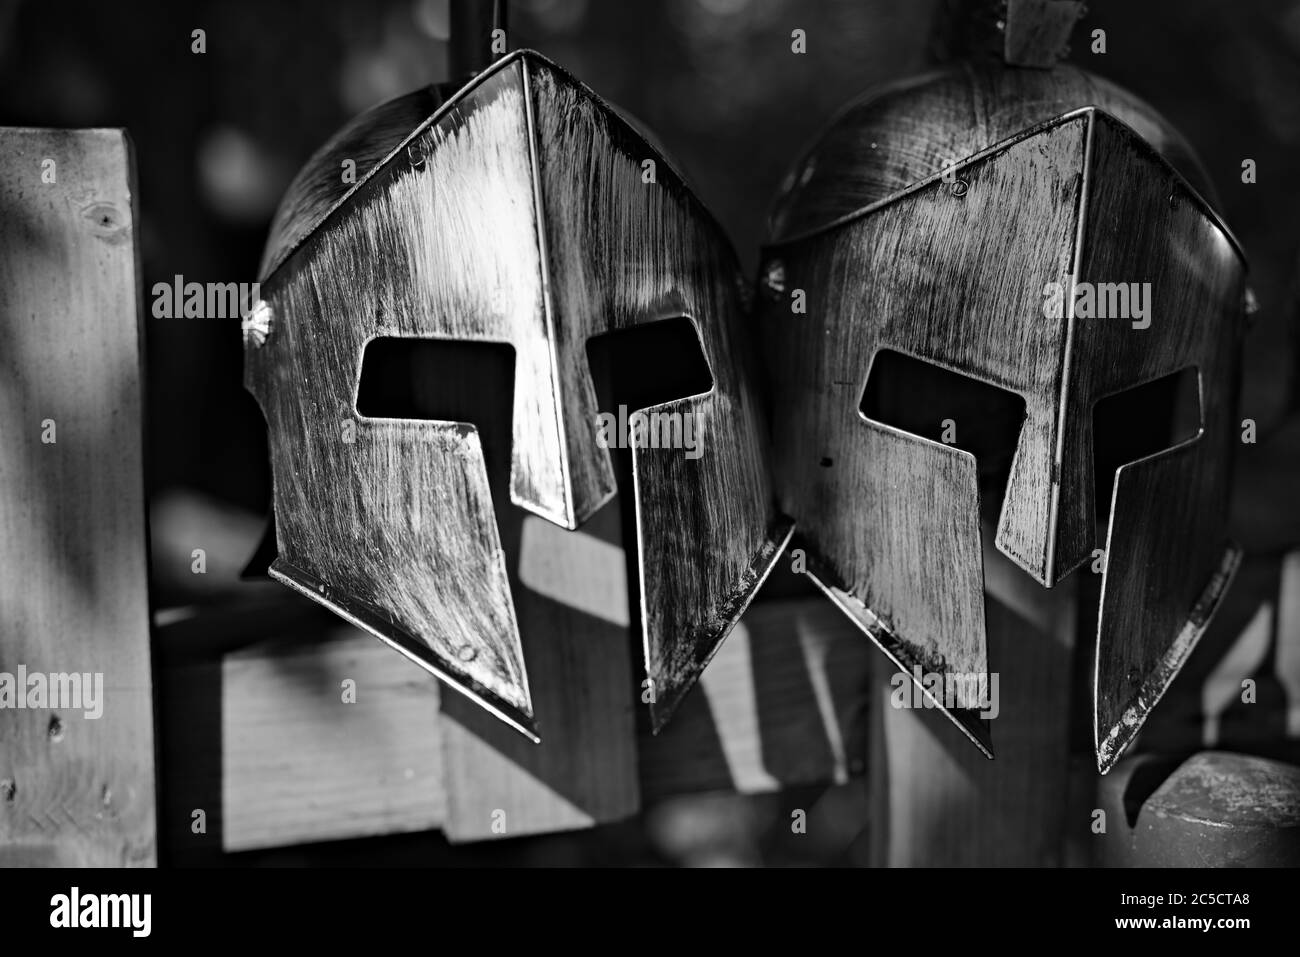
x=647, y=364
x=940, y=405
x=1138, y=422
x=443, y=380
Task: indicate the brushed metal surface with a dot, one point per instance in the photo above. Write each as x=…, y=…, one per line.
x=519, y=213
x=893, y=137
x=952, y=270
x=1168, y=560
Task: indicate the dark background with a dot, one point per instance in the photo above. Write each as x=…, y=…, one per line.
x=219, y=136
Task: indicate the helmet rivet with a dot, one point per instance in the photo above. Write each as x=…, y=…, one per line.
x=256, y=324
x=417, y=151
x=959, y=188
x=773, y=281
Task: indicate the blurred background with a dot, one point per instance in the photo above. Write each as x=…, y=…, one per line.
x=219, y=136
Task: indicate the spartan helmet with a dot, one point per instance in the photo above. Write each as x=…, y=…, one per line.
x=515, y=210
x=990, y=251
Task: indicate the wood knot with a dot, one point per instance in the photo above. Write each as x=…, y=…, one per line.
x=107, y=222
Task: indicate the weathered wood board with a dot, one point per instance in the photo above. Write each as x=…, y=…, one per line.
x=785, y=702
x=259, y=738
x=939, y=802
x=274, y=746
x=571, y=596
x=76, y=787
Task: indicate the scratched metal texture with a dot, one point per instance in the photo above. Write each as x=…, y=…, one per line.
x=952, y=270
x=1168, y=561
x=366, y=141
x=516, y=213
x=896, y=135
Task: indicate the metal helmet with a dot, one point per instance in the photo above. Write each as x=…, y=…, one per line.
x=1026, y=234
x=518, y=210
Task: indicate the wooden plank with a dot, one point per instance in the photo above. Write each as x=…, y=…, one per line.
x=259, y=739
x=570, y=592
x=266, y=742
x=783, y=703
x=1037, y=32
x=939, y=802
x=75, y=788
